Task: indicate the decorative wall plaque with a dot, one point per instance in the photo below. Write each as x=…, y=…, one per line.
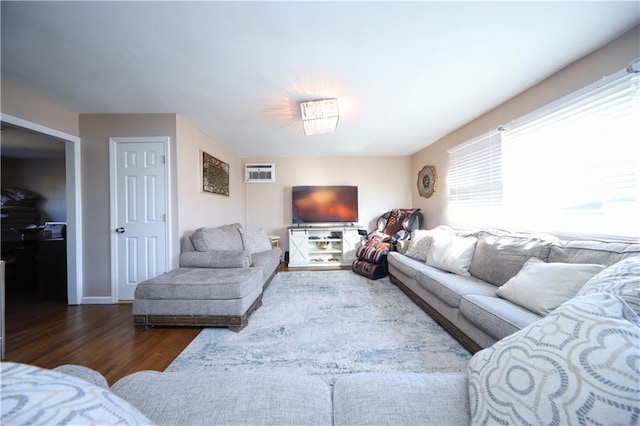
x=427, y=181
x=215, y=175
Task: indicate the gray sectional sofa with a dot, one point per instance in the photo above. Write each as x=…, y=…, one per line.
x=222, y=275
x=577, y=364
x=467, y=302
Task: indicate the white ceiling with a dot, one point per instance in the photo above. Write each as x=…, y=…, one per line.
x=405, y=73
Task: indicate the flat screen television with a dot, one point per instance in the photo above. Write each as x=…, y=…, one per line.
x=324, y=204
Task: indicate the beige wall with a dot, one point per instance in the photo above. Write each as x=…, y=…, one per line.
x=95, y=130
x=605, y=61
x=36, y=110
x=197, y=208
x=383, y=183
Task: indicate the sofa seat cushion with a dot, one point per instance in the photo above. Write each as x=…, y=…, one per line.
x=578, y=365
x=405, y=264
x=602, y=253
x=217, y=398
x=450, y=287
x=401, y=399
x=35, y=396
x=201, y=284
x=497, y=317
x=499, y=256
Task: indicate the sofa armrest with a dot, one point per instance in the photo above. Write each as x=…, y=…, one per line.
x=216, y=259
x=84, y=373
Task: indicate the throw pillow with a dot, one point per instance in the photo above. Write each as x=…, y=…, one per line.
x=419, y=244
x=224, y=237
x=255, y=241
x=622, y=279
x=32, y=395
x=576, y=366
x=451, y=253
x=541, y=287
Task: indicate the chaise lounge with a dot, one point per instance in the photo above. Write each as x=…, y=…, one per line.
x=223, y=272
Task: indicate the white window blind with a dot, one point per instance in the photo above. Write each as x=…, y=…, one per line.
x=572, y=167
x=575, y=167
x=475, y=179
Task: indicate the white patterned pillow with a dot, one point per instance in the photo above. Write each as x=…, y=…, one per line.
x=622, y=279
x=419, y=244
x=255, y=241
x=577, y=365
x=32, y=395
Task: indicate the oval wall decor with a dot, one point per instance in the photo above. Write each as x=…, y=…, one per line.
x=427, y=181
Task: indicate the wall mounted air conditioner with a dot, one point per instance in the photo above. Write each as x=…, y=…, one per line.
x=259, y=172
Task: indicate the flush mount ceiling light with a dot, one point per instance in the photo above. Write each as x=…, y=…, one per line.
x=319, y=116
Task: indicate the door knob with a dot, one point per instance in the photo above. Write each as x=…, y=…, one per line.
x=120, y=230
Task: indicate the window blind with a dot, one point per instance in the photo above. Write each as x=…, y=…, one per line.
x=572, y=167
x=475, y=172
x=575, y=166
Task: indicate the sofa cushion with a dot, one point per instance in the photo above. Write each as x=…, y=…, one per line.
x=450, y=287
x=621, y=279
x=451, y=253
x=401, y=399
x=268, y=261
x=419, y=244
x=32, y=395
x=215, y=259
x=255, y=241
x=201, y=284
x=541, y=287
x=601, y=253
x=500, y=257
x=218, y=398
x=225, y=237
x=578, y=365
x=497, y=317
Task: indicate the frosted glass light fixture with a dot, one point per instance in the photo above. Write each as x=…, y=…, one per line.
x=319, y=116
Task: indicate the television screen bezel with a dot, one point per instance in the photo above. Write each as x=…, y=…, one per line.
x=304, y=221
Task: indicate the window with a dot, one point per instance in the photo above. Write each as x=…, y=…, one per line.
x=571, y=167
x=475, y=179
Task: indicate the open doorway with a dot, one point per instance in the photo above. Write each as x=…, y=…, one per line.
x=47, y=160
x=33, y=210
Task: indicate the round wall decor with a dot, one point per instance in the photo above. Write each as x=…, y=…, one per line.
x=427, y=181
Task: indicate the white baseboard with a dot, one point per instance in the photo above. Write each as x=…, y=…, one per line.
x=106, y=300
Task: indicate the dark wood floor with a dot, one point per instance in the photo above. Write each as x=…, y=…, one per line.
x=49, y=333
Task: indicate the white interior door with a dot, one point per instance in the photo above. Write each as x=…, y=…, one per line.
x=139, y=211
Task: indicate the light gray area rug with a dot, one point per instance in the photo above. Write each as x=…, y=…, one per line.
x=329, y=323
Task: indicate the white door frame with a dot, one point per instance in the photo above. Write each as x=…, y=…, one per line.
x=74, y=202
x=113, y=205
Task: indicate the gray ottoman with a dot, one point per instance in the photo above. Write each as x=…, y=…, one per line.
x=199, y=297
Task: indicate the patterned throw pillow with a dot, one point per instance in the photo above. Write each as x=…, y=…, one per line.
x=419, y=244
x=578, y=365
x=32, y=395
x=622, y=279
x=255, y=241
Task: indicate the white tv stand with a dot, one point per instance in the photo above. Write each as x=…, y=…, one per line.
x=323, y=245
